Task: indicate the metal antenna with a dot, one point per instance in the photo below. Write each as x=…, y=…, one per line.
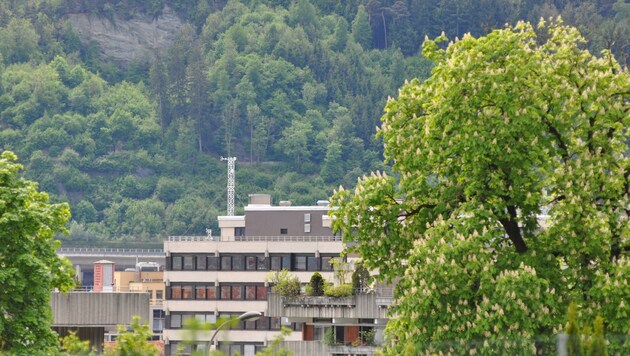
x=230, y=184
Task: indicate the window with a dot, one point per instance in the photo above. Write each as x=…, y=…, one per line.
x=226, y=263
x=176, y=263
x=238, y=263
x=300, y=263
x=284, y=231
x=237, y=292
x=176, y=292
x=239, y=231
x=307, y=227
x=307, y=217
x=262, y=263
x=261, y=292
x=212, y=263
x=200, y=292
x=263, y=323
x=250, y=292
x=201, y=263
x=276, y=263
x=158, y=295
x=226, y=292
x=176, y=321
x=326, y=265
x=312, y=263
x=189, y=263
x=187, y=292
x=211, y=292
x=251, y=263
x=274, y=323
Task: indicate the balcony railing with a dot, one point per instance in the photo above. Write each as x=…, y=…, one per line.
x=96, y=251
x=257, y=238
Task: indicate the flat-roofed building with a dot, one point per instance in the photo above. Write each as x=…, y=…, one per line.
x=208, y=277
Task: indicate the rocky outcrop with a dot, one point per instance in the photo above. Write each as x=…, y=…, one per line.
x=123, y=40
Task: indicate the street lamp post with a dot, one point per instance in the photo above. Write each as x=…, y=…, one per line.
x=248, y=316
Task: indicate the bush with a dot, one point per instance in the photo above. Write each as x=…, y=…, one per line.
x=285, y=284
x=343, y=290
x=316, y=286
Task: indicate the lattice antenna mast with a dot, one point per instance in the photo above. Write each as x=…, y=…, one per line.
x=230, y=184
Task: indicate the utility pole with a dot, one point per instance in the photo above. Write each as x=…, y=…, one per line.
x=230, y=184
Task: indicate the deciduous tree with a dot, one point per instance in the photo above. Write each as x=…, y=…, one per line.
x=29, y=265
x=510, y=194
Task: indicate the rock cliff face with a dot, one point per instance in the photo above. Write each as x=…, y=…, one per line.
x=126, y=40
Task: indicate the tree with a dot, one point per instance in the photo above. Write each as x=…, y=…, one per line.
x=511, y=197
x=29, y=265
x=133, y=342
x=294, y=141
x=361, y=30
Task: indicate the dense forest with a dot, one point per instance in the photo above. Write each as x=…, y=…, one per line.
x=293, y=89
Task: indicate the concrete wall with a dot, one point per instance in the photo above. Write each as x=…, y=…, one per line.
x=98, y=309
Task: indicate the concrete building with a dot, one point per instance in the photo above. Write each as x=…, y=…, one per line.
x=146, y=277
x=208, y=277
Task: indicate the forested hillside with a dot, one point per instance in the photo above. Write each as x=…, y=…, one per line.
x=293, y=89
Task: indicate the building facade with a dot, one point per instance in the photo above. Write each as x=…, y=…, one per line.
x=209, y=277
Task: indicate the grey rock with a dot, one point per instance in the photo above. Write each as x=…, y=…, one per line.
x=123, y=40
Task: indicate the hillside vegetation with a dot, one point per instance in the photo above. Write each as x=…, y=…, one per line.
x=293, y=89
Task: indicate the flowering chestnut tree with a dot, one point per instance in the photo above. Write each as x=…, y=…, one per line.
x=509, y=194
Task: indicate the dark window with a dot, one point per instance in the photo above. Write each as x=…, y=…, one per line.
x=239, y=231
x=237, y=292
x=262, y=263
x=251, y=263
x=201, y=263
x=226, y=292
x=158, y=295
x=326, y=265
x=238, y=263
x=187, y=292
x=312, y=263
x=189, y=263
x=300, y=263
x=274, y=323
x=286, y=262
x=226, y=263
x=250, y=325
x=276, y=263
x=177, y=263
x=284, y=231
x=263, y=323
x=200, y=292
x=211, y=292
x=261, y=292
x=213, y=263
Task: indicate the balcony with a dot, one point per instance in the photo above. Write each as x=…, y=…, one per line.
x=363, y=305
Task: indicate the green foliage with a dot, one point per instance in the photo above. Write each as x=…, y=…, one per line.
x=284, y=283
x=360, y=277
x=133, y=342
x=329, y=336
x=584, y=340
x=338, y=291
x=30, y=265
x=73, y=346
x=316, y=285
x=508, y=193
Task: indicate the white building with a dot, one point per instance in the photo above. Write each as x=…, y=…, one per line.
x=208, y=277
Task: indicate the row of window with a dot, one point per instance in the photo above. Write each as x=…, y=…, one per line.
x=178, y=320
x=212, y=292
x=241, y=262
x=228, y=348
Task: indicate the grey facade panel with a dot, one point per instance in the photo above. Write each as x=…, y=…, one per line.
x=98, y=309
x=272, y=223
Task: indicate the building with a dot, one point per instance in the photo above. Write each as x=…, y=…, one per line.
x=146, y=277
x=208, y=277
